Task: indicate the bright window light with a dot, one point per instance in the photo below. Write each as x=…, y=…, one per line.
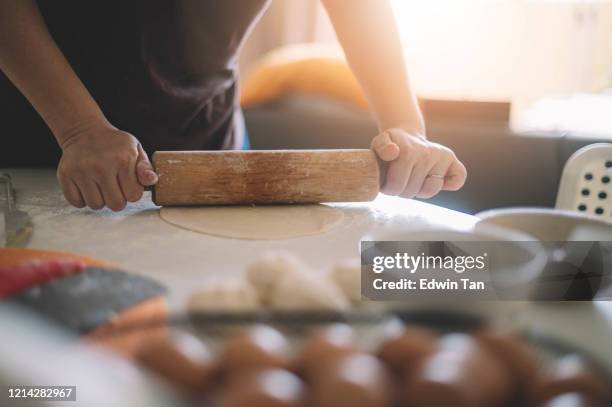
x=506, y=49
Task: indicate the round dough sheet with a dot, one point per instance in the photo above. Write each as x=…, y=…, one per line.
x=273, y=222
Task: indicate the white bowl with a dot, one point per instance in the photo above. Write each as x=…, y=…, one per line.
x=576, y=268
x=548, y=224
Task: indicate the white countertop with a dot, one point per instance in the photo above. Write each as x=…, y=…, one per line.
x=137, y=240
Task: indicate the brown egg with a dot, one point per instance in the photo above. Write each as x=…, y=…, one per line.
x=259, y=346
x=180, y=358
x=570, y=374
x=488, y=369
x=358, y=380
x=263, y=388
x=570, y=400
x=460, y=373
x=404, y=350
x=519, y=358
x=324, y=346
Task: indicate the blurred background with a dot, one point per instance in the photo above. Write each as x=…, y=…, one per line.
x=513, y=86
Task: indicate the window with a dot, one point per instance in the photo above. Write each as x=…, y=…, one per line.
x=525, y=52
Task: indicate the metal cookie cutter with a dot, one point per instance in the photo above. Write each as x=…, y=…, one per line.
x=17, y=224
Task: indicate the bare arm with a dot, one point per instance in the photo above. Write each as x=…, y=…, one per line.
x=32, y=61
x=368, y=34
x=367, y=31
x=99, y=162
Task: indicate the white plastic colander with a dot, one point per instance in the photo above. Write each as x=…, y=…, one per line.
x=586, y=182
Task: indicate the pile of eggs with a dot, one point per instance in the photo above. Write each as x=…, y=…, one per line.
x=259, y=366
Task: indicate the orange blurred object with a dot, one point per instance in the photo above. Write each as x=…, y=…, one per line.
x=306, y=69
x=14, y=257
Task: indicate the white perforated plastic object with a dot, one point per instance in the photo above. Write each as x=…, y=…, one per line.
x=586, y=183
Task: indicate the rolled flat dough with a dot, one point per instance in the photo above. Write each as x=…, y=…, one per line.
x=272, y=222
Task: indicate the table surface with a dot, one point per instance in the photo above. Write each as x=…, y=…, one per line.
x=137, y=240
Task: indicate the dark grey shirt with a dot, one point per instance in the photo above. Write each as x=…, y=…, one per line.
x=163, y=70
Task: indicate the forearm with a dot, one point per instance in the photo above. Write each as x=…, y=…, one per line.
x=30, y=58
x=368, y=34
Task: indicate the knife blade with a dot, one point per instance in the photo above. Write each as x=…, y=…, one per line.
x=17, y=224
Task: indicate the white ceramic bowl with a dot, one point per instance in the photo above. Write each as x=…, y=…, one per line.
x=548, y=224
x=575, y=270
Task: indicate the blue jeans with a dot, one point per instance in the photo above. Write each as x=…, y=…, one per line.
x=246, y=143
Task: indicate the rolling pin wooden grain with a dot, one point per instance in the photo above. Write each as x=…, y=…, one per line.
x=265, y=177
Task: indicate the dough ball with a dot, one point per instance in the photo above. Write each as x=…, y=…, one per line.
x=265, y=272
x=306, y=290
x=347, y=275
x=235, y=295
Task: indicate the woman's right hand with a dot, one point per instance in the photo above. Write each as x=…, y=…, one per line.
x=103, y=166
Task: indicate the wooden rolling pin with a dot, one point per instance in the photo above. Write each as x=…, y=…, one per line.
x=265, y=177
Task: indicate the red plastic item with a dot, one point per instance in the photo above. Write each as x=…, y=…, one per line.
x=16, y=278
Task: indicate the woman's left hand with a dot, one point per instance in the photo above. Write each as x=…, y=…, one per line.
x=417, y=167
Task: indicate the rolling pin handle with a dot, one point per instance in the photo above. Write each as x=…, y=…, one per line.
x=383, y=167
